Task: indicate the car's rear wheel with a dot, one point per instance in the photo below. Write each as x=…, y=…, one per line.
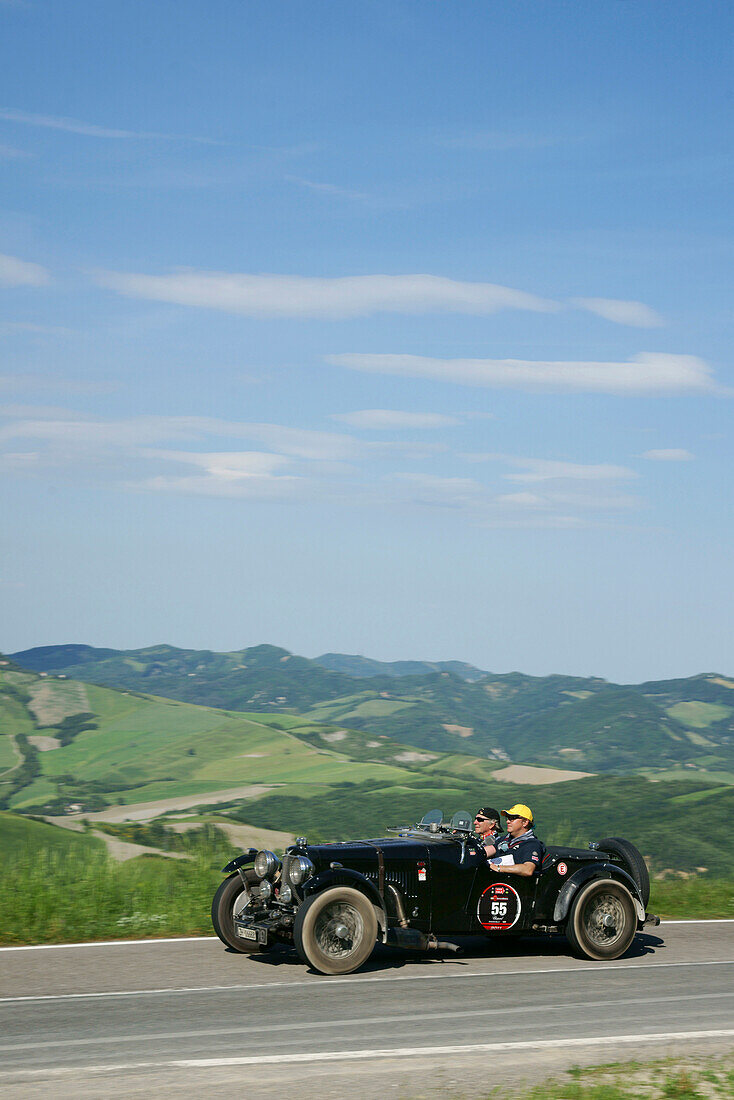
x=603, y=921
x=335, y=931
x=232, y=897
x=634, y=864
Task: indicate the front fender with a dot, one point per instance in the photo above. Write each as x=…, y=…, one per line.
x=240, y=861
x=345, y=876
x=584, y=875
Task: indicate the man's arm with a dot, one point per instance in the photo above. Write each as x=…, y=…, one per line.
x=525, y=869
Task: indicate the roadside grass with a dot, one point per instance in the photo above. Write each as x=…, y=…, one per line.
x=695, y=897
x=61, y=886
x=690, y=1078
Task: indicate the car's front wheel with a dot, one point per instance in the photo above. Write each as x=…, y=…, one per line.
x=335, y=931
x=602, y=922
x=231, y=898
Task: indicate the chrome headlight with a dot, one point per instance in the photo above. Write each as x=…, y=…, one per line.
x=300, y=869
x=266, y=864
x=285, y=894
x=266, y=890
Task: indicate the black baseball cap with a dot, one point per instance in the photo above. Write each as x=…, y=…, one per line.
x=487, y=811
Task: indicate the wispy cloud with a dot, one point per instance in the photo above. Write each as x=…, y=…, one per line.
x=646, y=373
x=90, y=129
x=306, y=296
x=329, y=189
x=497, y=141
x=15, y=272
x=671, y=454
x=393, y=420
x=9, y=152
x=223, y=474
x=636, y=314
x=543, y=469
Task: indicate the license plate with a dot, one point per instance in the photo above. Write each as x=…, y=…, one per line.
x=246, y=933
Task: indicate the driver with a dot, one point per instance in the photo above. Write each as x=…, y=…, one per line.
x=518, y=852
x=487, y=825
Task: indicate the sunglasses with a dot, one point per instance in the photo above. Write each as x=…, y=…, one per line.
x=513, y=817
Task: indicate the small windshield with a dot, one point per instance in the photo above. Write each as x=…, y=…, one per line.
x=462, y=819
x=433, y=817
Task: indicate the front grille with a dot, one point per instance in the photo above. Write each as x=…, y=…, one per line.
x=405, y=880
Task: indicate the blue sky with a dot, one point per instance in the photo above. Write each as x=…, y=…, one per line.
x=392, y=328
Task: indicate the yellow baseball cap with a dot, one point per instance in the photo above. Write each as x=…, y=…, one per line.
x=519, y=810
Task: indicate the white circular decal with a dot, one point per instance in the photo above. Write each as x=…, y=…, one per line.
x=499, y=907
x=562, y=868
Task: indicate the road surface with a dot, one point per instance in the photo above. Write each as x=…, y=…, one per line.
x=188, y=1017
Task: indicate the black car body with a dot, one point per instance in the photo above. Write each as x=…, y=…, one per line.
x=422, y=885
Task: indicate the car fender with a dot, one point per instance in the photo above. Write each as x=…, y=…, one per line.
x=345, y=876
x=240, y=861
x=586, y=874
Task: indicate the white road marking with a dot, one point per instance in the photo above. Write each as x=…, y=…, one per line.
x=200, y=939
x=107, y=943
x=361, y=1021
x=366, y=1055
x=322, y=982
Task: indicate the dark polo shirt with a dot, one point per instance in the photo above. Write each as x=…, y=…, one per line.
x=524, y=849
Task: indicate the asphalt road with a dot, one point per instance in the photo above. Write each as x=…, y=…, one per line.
x=181, y=1017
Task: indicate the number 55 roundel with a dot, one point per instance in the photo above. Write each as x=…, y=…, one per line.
x=498, y=908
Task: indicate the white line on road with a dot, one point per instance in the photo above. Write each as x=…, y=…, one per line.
x=364, y=1055
x=107, y=943
x=202, y=939
x=355, y=980
x=361, y=1021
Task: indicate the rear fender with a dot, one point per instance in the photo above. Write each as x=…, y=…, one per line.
x=240, y=861
x=586, y=874
x=345, y=876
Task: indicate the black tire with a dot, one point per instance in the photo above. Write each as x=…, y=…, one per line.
x=633, y=862
x=230, y=892
x=335, y=931
x=603, y=920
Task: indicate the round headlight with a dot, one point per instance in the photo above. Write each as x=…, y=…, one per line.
x=286, y=894
x=266, y=890
x=266, y=864
x=300, y=869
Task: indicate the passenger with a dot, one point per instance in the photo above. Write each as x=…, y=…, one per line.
x=518, y=852
x=487, y=825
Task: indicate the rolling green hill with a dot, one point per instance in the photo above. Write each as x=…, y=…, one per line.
x=65, y=742
x=589, y=724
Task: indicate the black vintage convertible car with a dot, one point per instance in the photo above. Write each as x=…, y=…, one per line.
x=422, y=884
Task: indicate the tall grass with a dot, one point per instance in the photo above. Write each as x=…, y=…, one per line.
x=52, y=896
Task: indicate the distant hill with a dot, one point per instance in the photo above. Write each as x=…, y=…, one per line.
x=66, y=745
x=672, y=727
x=365, y=667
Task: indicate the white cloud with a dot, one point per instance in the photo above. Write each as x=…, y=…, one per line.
x=524, y=500
x=672, y=454
x=636, y=314
x=9, y=152
x=88, y=129
x=541, y=469
x=224, y=474
x=14, y=272
x=646, y=373
x=329, y=189
x=306, y=296
x=393, y=420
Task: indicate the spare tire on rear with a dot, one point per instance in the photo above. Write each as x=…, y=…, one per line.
x=634, y=864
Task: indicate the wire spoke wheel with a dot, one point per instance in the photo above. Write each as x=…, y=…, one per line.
x=603, y=920
x=338, y=930
x=335, y=931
